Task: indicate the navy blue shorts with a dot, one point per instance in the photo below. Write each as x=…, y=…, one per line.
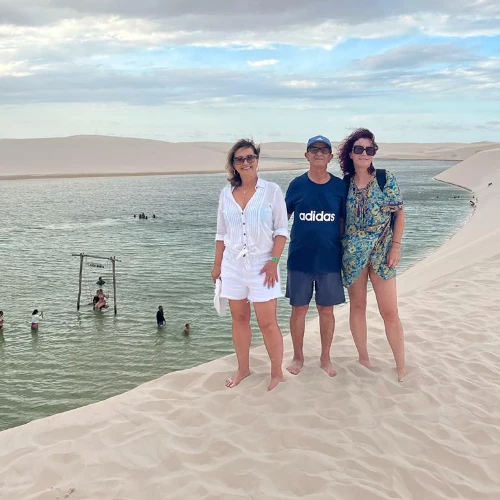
x=327, y=287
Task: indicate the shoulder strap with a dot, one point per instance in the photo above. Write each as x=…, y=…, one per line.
x=381, y=175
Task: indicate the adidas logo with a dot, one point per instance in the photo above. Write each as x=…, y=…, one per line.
x=314, y=216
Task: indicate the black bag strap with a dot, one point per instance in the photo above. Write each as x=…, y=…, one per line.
x=381, y=175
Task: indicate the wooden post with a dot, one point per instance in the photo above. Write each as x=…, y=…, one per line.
x=114, y=282
x=80, y=283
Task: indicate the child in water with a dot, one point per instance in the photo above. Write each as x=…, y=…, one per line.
x=36, y=316
x=187, y=330
x=1, y=320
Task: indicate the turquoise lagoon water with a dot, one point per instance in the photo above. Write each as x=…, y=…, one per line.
x=79, y=358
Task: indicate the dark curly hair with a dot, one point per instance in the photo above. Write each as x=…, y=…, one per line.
x=232, y=175
x=345, y=147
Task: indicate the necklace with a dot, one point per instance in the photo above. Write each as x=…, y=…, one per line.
x=249, y=189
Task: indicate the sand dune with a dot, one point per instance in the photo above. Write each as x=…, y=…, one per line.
x=407, y=151
x=359, y=436
x=106, y=156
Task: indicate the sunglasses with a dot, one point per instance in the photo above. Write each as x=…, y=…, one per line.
x=370, y=150
x=240, y=160
x=315, y=150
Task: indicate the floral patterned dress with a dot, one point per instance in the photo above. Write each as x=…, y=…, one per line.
x=368, y=232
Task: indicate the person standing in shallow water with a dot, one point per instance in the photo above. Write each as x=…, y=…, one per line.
x=36, y=316
x=372, y=243
x=252, y=228
x=317, y=201
x=160, y=317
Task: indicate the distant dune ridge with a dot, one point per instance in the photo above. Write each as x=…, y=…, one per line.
x=359, y=436
x=87, y=155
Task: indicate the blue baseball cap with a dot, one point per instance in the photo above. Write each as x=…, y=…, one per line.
x=319, y=138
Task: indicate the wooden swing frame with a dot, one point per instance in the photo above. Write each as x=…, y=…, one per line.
x=113, y=261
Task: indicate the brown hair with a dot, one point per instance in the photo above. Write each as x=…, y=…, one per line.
x=345, y=147
x=232, y=175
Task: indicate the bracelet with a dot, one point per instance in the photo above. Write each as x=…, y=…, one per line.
x=398, y=242
x=275, y=259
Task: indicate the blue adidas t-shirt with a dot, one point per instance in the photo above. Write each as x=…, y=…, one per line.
x=315, y=240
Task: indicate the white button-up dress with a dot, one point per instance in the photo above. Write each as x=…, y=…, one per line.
x=250, y=232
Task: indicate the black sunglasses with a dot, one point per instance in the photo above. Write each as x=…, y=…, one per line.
x=370, y=150
x=314, y=150
x=240, y=160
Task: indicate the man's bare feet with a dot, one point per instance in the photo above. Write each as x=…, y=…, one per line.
x=236, y=379
x=401, y=374
x=275, y=381
x=295, y=366
x=328, y=367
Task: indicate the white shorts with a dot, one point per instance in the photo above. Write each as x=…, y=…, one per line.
x=241, y=279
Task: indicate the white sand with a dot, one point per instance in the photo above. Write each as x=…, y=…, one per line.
x=360, y=436
x=81, y=156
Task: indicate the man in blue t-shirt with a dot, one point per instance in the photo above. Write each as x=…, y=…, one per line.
x=317, y=201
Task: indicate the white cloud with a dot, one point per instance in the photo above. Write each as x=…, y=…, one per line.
x=263, y=62
x=301, y=84
x=416, y=55
x=473, y=24
x=470, y=81
x=15, y=69
x=491, y=64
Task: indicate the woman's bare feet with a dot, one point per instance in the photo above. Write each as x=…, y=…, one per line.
x=295, y=366
x=328, y=367
x=236, y=379
x=365, y=362
x=275, y=381
x=401, y=374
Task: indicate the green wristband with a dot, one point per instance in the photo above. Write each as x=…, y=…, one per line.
x=275, y=259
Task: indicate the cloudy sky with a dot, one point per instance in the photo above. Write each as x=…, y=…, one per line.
x=216, y=70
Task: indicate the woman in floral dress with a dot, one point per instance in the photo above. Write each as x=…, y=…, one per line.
x=371, y=243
